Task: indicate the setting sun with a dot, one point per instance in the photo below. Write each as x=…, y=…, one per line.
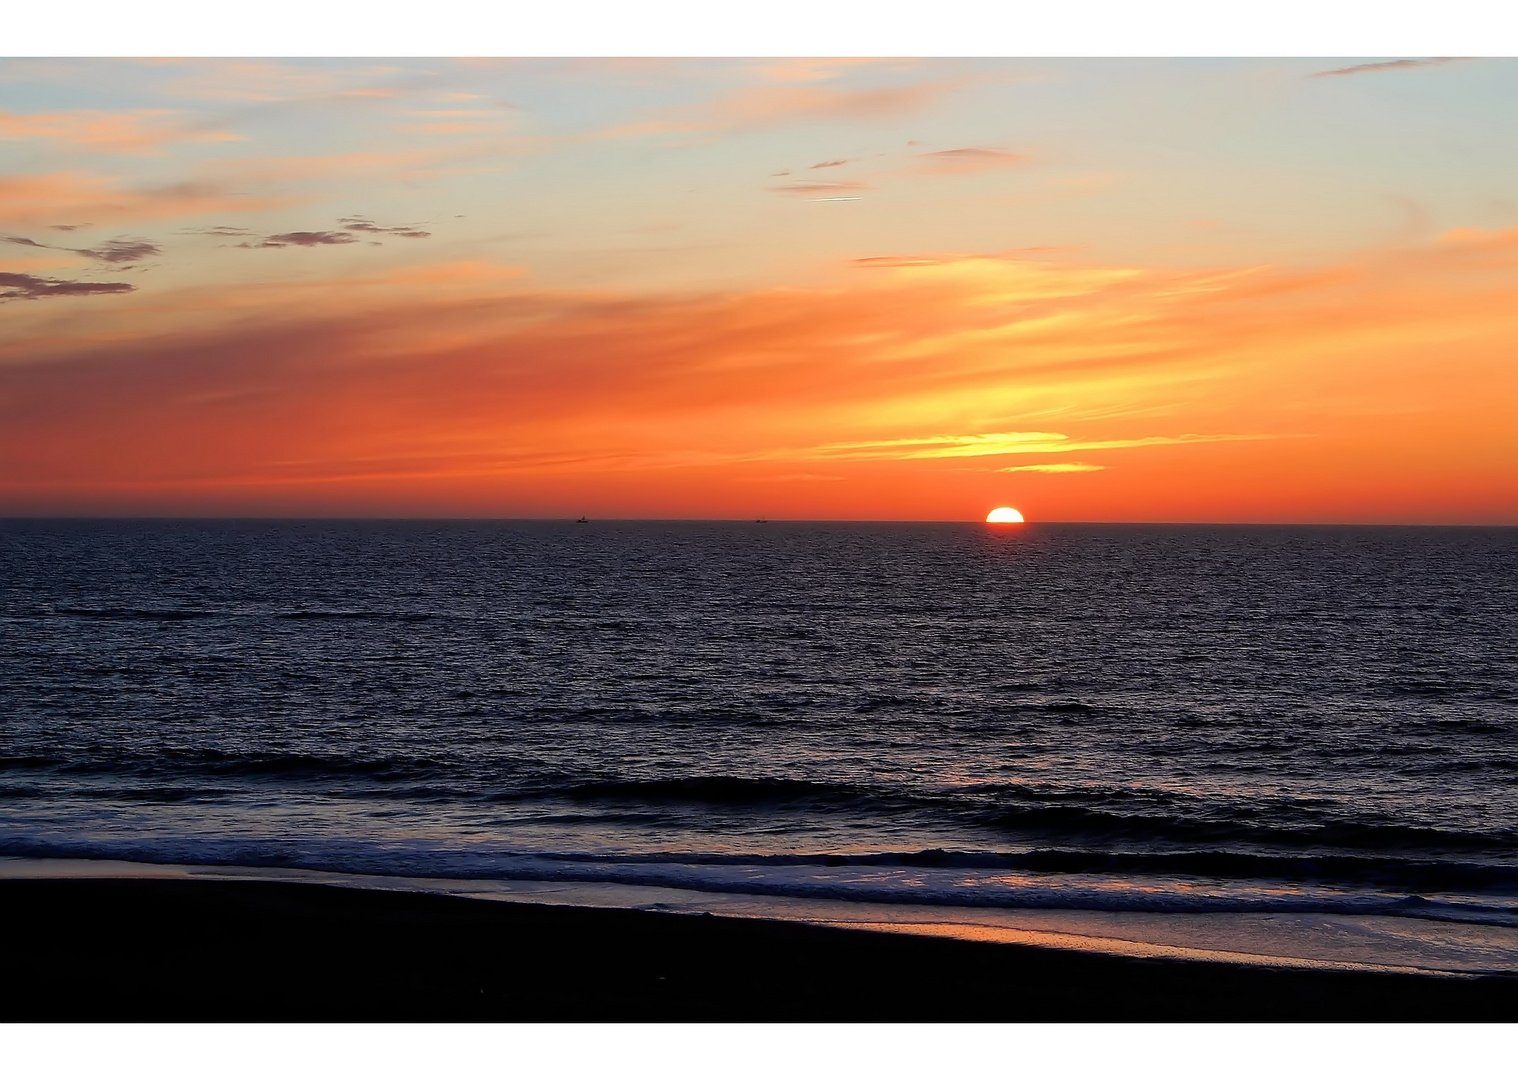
x=1004, y=514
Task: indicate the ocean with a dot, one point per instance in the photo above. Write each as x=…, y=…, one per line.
x=1305, y=732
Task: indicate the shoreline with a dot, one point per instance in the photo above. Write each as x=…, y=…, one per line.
x=1414, y=944
x=180, y=946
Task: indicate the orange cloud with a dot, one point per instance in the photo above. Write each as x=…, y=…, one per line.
x=138, y=131
x=52, y=198
x=924, y=386
x=761, y=105
x=1054, y=467
x=969, y=159
x=820, y=190
x=1002, y=443
x=767, y=105
x=813, y=69
x=327, y=167
x=275, y=82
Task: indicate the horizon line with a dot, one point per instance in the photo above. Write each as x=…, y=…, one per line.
x=4, y=517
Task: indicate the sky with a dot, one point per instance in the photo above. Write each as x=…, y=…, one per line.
x=1096, y=290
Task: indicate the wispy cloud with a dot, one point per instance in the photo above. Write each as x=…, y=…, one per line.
x=768, y=105
x=118, y=252
x=45, y=198
x=350, y=230
x=999, y=443
x=968, y=159
x=364, y=225
x=139, y=131
x=303, y=239
x=121, y=252
x=890, y=262
x=808, y=69
x=1056, y=467
x=272, y=81
x=820, y=190
x=1386, y=65
x=762, y=105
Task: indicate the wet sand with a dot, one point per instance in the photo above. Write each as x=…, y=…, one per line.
x=156, y=949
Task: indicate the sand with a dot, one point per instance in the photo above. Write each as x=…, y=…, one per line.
x=186, y=950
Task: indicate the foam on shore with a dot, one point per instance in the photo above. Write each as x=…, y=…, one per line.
x=1322, y=941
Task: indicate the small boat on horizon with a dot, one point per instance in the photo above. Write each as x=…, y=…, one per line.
x=582, y=521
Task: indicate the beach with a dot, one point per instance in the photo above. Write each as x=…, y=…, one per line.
x=123, y=949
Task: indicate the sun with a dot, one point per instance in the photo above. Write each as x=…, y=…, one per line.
x=1004, y=514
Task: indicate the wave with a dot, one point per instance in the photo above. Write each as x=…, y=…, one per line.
x=1095, y=818
x=1382, y=872
x=1318, y=831
x=899, y=878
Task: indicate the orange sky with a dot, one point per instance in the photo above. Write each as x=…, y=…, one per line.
x=394, y=327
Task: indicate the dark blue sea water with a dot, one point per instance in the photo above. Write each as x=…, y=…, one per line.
x=1124, y=718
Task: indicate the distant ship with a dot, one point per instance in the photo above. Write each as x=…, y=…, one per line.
x=582, y=521
x=761, y=521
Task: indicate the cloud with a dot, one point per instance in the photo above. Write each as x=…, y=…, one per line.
x=364, y=225
x=896, y=262
x=769, y=105
x=327, y=168
x=820, y=190
x=967, y=159
x=349, y=231
x=30, y=287
x=49, y=197
x=1387, y=65
x=999, y=443
x=1055, y=467
x=907, y=380
x=221, y=188
x=139, y=131
x=303, y=239
x=891, y=262
x=830, y=164
x=273, y=82
x=118, y=252
x=810, y=69
x=764, y=105
x=121, y=252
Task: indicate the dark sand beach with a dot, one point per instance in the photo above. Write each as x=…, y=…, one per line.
x=186, y=950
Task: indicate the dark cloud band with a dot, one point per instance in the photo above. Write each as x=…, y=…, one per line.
x=29, y=287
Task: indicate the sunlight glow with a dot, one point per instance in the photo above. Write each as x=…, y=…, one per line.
x=1115, y=329
x=1003, y=514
